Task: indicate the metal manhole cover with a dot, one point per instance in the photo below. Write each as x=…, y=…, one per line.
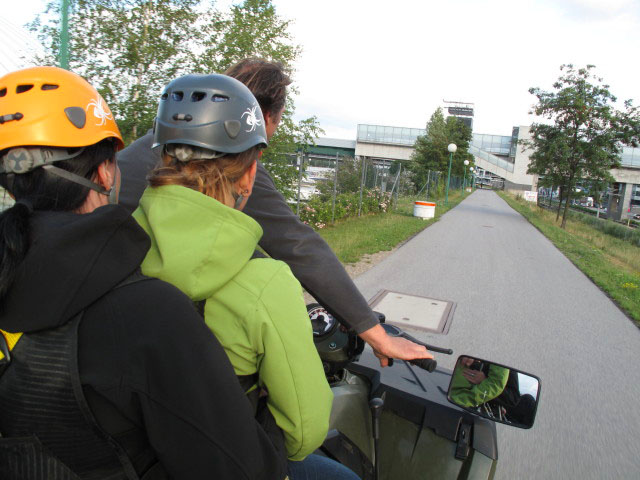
x=414, y=311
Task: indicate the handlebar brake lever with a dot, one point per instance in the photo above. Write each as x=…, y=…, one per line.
x=446, y=351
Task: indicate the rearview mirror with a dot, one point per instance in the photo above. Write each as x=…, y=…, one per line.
x=493, y=391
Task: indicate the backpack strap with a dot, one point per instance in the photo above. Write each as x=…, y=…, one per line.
x=8, y=340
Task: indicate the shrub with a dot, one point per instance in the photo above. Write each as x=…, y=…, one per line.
x=317, y=211
x=609, y=227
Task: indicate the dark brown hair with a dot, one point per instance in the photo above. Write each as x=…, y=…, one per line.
x=267, y=81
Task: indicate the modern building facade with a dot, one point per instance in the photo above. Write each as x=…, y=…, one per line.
x=501, y=158
x=496, y=156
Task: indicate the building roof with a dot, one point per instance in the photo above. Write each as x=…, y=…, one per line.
x=335, y=142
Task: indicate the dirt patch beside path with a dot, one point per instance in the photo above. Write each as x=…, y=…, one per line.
x=358, y=268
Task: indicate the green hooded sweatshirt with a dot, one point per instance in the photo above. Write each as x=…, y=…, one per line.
x=255, y=307
x=465, y=393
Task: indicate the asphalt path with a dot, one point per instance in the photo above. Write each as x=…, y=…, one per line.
x=522, y=303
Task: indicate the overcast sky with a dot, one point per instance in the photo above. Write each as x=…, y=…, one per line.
x=393, y=62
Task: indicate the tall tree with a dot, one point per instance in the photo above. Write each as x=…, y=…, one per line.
x=251, y=28
x=254, y=29
x=130, y=49
x=431, y=152
x=582, y=137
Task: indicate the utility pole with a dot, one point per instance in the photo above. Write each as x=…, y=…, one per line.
x=300, y=162
x=364, y=172
x=335, y=188
x=63, y=58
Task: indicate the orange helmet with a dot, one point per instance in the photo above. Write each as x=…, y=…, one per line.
x=49, y=106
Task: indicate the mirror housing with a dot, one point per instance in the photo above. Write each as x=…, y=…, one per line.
x=493, y=391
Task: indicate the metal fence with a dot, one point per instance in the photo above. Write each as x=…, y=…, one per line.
x=329, y=177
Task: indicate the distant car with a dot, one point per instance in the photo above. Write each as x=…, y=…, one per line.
x=636, y=216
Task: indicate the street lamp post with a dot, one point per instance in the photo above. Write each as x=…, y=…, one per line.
x=464, y=183
x=452, y=149
x=63, y=55
x=473, y=177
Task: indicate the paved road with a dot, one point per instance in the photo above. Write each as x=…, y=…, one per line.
x=520, y=302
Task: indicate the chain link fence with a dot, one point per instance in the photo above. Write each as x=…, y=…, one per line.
x=357, y=186
x=331, y=188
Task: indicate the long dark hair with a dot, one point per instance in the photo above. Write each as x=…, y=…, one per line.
x=40, y=190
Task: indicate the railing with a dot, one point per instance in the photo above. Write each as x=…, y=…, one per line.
x=493, y=159
x=496, y=144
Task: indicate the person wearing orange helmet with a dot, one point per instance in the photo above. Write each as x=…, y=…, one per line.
x=104, y=373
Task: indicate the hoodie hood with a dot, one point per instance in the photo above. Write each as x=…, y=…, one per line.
x=72, y=261
x=197, y=243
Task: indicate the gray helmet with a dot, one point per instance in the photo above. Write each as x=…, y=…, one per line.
x=214, y=112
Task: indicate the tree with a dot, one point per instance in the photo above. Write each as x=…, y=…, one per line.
x=584, y=133
x=253, y=29
x=130, y=49
x=349, y=178
x=431, y=152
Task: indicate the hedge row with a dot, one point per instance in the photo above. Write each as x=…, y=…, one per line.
x=610, y=228
x=317, y=211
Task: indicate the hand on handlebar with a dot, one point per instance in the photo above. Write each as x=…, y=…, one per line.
x=473, y=376
x=386, y=347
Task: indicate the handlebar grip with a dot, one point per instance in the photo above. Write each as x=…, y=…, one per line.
x=427, y=364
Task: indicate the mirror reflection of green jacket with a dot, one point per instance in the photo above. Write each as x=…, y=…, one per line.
x=254, y=307
x=466, y=394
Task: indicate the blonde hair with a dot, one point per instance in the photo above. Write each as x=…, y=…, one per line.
x=212, y=177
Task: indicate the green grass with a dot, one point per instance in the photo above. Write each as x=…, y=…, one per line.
x=352, y=238
x=612, y=263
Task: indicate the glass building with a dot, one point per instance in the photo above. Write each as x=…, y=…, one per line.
x=495, y=144
x=499, y=150
x=390, y=135
x=630, y=157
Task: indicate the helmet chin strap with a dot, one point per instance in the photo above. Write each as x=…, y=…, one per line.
x=112, y=193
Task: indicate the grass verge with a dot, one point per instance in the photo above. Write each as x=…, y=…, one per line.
x=613, y=264
x=352, y=238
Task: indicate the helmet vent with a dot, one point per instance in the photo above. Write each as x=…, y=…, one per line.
x=23, y=88
x=3, y=92
x=164, y=96
x=197, y=96
x=219, y=98
x=177, y=96
x=49, y=86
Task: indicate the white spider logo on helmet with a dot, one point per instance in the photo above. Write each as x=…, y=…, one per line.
x=252, y=121
x=100, y=111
